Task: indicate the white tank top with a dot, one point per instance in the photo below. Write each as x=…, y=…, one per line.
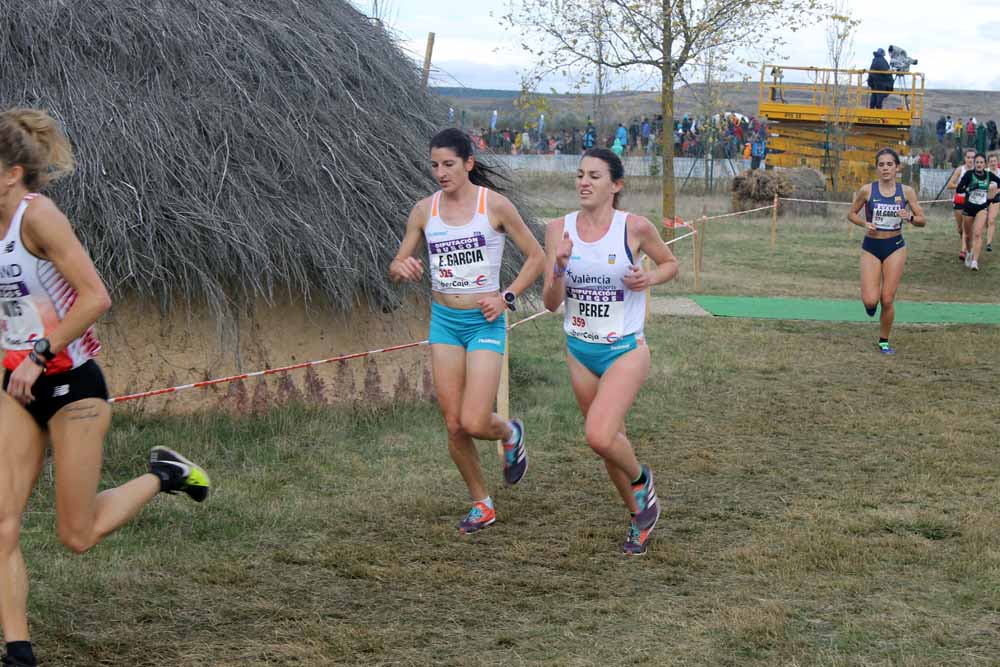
x=464, y=259
x=34, y=298
x=599, y=308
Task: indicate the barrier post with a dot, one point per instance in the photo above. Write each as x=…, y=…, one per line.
x=774, y=223
x=503, y=391
x=699, y=246
x=696, y=240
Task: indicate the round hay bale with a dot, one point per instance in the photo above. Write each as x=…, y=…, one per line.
x=757, y=187
x=807, y=183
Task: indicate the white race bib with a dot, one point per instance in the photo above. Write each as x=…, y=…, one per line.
x=20, y=323
x=596, y=315
x=460, y=263
x=886, y=218
x=978, y=197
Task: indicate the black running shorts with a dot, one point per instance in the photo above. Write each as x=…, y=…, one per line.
x=54, y=392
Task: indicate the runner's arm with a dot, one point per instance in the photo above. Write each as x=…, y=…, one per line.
x=953, y=181
x=917, y=217
x=860, y=199
x=51, y=237
x=515, y=227
x=653, y=246
x=405, y=266
x=963, y=183
x=554, y=289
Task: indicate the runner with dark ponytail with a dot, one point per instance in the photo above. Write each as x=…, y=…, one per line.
x=465, y=226
x=458, y=142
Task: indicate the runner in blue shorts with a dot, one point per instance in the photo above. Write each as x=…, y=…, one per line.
x=883, y=251
x=594, y=255
x=465, y=225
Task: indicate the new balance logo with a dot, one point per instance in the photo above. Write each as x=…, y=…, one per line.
x=60, y=390
x=9, y=247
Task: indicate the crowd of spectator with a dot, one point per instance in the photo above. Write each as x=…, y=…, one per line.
x=954, y=136
x=727, y=135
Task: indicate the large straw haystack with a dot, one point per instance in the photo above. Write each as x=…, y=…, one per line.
x=236, y=159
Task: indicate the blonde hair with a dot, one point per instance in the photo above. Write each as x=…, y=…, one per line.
x=32, y=139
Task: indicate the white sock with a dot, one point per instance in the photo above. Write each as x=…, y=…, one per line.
x=486, y=501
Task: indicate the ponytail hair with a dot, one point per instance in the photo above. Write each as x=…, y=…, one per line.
x=458, y=141
x=615, y=166
x=33, y=140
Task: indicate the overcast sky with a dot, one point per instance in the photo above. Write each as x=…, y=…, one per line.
x=958, y=45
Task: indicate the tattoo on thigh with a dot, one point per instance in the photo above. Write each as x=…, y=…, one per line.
x=81, y=412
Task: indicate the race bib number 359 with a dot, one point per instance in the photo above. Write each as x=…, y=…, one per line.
x=595, y=315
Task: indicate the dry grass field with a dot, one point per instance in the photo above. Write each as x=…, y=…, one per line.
x=825, y=506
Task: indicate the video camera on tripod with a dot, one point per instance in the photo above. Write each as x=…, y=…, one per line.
x=899, y=61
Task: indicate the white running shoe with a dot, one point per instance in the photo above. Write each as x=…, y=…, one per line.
x=968, y=260
x=974, y=265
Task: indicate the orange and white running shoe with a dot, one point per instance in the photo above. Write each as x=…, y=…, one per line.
x=480, y=516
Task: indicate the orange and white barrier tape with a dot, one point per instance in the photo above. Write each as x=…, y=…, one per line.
x=847, y=203
x=285, y=369
x=736, y=213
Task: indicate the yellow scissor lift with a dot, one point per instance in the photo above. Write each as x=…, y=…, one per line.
x=825, y=122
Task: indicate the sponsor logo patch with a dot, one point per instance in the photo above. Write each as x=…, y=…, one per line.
x=60, y=390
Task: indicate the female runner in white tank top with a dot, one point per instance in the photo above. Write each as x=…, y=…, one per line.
x=594, y=268
x=54, y=392
x=464, y=227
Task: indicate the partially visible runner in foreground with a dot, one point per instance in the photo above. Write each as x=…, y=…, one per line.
x=883, y=251
x=594, y=267
x=465, y=225
x=54, y=392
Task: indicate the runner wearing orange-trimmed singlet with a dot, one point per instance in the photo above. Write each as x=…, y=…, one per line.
x=465, y=226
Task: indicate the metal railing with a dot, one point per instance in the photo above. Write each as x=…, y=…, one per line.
x=836, y=91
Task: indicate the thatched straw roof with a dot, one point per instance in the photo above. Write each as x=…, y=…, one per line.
x=228, y=148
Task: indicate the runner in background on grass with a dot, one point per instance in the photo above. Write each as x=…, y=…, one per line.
x=991, y=216
x=883, y=251
x=465, y=225
x=594, y=268
x=54, y=393
x=959, y=200
x=979, y=187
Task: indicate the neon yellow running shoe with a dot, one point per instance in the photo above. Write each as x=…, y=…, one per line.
x=176, y=473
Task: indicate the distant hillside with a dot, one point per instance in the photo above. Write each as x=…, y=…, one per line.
x=740, y=97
